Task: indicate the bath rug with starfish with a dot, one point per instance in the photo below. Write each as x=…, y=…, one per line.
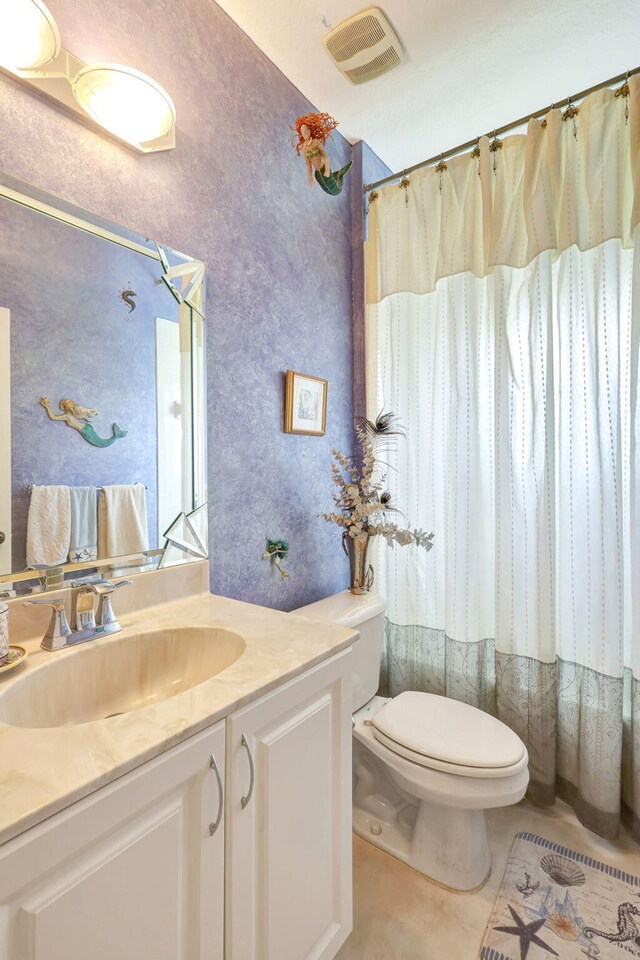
x=555, y=902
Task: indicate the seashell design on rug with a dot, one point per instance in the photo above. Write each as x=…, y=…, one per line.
x=562, y=871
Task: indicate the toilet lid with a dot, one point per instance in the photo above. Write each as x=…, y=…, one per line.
x=447, y=731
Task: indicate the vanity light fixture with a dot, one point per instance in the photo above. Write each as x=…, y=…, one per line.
x=119, y=100
x=29, y=36
x=124, y=101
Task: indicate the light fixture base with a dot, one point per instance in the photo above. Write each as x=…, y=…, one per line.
x=53, y=82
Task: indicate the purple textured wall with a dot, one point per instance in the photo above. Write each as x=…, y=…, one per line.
x=278, y=256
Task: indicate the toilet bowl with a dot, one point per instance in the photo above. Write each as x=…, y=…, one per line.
x=425, y=767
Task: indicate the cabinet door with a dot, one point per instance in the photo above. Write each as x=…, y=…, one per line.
x=132, y=872
x=288, y=890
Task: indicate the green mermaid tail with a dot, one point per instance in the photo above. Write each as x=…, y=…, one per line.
x=333, y=183
x=92, y=437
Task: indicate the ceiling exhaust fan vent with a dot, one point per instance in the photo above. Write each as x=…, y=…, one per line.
x=365, y=46
x=376, y=67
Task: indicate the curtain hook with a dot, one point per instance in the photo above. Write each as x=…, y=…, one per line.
x=494, y=146
x=475, y=153
x=623, y=91
x=404, y=184
x=570, y=114
x=440, y=168
x=373, y=196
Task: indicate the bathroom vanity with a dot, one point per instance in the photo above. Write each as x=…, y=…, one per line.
x=215, y=822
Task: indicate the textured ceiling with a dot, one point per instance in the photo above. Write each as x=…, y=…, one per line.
x=471, y=65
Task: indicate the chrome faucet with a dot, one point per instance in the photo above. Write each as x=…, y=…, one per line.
x=60, y=635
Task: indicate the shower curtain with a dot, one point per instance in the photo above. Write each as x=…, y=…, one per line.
x=503, y=325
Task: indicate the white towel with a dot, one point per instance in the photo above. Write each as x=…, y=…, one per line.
x=122, y=520
x=84, y=524
x=48, y=526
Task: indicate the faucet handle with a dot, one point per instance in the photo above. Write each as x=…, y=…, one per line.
x=120, y=583
x=57, y=604
x=104, y=589
x=58, y=629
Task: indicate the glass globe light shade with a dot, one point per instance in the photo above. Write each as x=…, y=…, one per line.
x=124, y=101
x=29, y=36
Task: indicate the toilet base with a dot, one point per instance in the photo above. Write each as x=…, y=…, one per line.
x=431, y=820
x=447, y=846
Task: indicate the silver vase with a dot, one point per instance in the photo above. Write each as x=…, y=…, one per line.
x=360, y=573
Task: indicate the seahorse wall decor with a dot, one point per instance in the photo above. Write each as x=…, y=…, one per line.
x=128, y=297
x=78, y=417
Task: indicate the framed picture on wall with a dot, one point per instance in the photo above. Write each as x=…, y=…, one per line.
x=305, y=404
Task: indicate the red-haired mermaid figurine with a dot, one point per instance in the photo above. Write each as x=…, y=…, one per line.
x=311, y=132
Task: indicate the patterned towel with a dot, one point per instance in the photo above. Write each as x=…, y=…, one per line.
x=84, y=524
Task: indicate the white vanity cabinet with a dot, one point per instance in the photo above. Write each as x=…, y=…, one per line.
x=169, y=862
x=132, y=872
x=288, y=834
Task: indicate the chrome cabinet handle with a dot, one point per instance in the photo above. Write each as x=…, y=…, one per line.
x=245, y=800
x=216, y=823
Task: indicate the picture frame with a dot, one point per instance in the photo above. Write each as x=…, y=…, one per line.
x=305, y=404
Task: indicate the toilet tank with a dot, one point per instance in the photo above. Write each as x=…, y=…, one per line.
x=366, y=614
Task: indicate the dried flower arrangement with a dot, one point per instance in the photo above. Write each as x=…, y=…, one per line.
x=362, y=501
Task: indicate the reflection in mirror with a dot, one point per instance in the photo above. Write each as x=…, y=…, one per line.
x=102, y=432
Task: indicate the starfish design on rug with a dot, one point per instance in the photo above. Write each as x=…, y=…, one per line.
x=527, y=934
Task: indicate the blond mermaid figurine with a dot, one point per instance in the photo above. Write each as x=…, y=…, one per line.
x=311, y=133
x=78, y=417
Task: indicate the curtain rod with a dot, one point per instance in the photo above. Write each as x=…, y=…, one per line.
x=504, y=129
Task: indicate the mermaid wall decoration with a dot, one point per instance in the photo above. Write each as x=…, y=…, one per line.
x=79, y=418
x=312, y=131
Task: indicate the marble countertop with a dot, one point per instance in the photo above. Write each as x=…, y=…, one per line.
x=43, y=770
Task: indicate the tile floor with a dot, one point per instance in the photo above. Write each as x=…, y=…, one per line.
x=398, y=915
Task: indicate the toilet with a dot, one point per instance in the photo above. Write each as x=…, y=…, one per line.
x=425, y=767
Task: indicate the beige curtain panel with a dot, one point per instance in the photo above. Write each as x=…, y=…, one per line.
x=568, y=180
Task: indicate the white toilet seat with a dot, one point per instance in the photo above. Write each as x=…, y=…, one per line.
x=444, y=734
x=454, y=769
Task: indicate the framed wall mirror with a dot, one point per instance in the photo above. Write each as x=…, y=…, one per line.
x=102, y=397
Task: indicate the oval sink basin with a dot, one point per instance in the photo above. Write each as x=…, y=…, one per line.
x=125, y=673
